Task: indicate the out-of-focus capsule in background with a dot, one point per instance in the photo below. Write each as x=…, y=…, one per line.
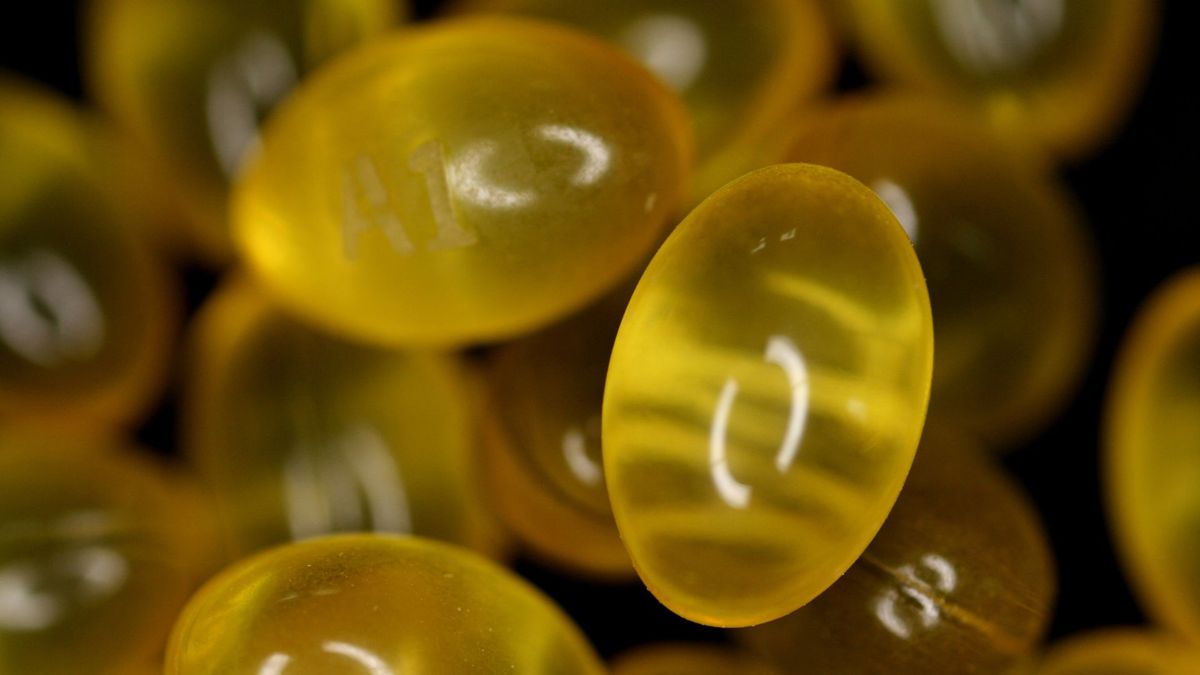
x=1059, y=73
x=766, y=393
x=1152, y=463
x=464, y=181
x=374, y=604
x=1011, y=270
x=741, y=66
x=688, y=659
x=86, y=314
x=96, y=557
x=191, y=80
x=959, y=580
x=1121, y=651
x=296, y=434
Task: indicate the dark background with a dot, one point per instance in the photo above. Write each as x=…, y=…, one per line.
x=1138, y=194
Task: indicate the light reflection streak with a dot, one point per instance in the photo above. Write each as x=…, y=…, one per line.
x=48, y=314
x=901, y=205
x=574, y=447
x=887, y=606
x=596, y=155
x=255, y=77
x=991, y=36
x=673, y=47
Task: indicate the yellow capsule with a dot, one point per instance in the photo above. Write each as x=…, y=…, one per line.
x=1010, y=268
x=766, y=393
x=374, y=604
x=94, y=558
x=1152, y=463
x=86, y=313
x=688, y=659
x=959, y=579
x=465, y=181
x=1121, y=651
x=191, y=80
x=543, y=443
x=1063, y=74
x=297, y=434
x=741, y=66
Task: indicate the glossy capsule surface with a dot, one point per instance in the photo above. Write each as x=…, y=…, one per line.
x=1063, y=73
x=1010, y=268
x=1152, y=463
x=688, y=659
x=86, y=313
x=959, y=580
x=297, y=434
x=374, y=604
x=94, y=564
x=1120, y=651
x=766, y=393
x=422, y=189
x=543, y=444
x=741, y=66
x=191, y=81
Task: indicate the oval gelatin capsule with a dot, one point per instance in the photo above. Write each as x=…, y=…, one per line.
x=766, y=393
x=374, y=604
x=86, y=312
x=191, y=80
x=464, y=181
x=959, y=580
x=1121, y=651
x=297, y=434
x=1152, y=463
x=1010, y=267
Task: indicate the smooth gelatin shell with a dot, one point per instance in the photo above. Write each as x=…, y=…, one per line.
x=688, y=659
x=741, y=66
x=766, y=394
x=1063, y=74
x=95, y=558
x=959, y=580
x=86, y=314
x=422, y=189
x=378, y=604
x=1010, y=268
x=1152, y=463
x=298, y=434
x=1121, y=651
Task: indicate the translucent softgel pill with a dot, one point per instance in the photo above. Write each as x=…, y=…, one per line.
x=1121, y=651
x=958, y=580
x=85, y=313
x=298, y=434
x=741, y=66
x=92, y=558
x=545, y=463
x=766, y=393
x=191, y=80
x=464, y=181
x=1152, y=462
x=688, y=659
x=1062, y=72
x=1010, y=268
x=374, y=604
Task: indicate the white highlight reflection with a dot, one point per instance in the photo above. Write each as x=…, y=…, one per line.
x=254, y=78
x=22, y=606
x=574, y=447
x=373, y=664
x=274, y=664
x=28, y=601
x=596, y=155
x=48, y=314
x=888, y=605
x=671, y=46
x=901, y=205
x=990, y=36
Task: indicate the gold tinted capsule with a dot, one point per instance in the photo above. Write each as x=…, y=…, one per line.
x=298, y=434
x=1121, y=651
x=191, y=80
x=464, y=181
x=766, y=394
x=374, y=604
x=959, y=580
x=688, y=659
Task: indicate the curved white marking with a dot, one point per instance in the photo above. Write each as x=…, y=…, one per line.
x=783, y=352
x=468, y=177
x=671, y=46
x=574, y=447
x=45, y=283
x=255, y=77
x=734, y=493
x=947, y=576
x=364, y=658
x=274, y=664
x=991, y=36
x=901, y=205
x=371, y=462
x=885, y=611
x=596, y=155
x=23, y=605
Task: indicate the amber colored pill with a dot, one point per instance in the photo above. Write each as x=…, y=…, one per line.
x=960, y=579
x=1063, y=74
x=1010, y=267
x=465, y=181
x=1121, y=651
x=298, y=434
x=1152, y=459
x=375, y=604
x=191, y=80
x=688, y=659
x=86, y=313
x=766, y=393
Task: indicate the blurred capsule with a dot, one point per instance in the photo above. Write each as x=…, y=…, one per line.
x=688, y=659
x=1121, y=651
x=297, y=434
x=191, y=80
x=1010, y=269
x=86, y=314
x=959, y=580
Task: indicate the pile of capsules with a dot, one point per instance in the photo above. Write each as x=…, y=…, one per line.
x=619, y=284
